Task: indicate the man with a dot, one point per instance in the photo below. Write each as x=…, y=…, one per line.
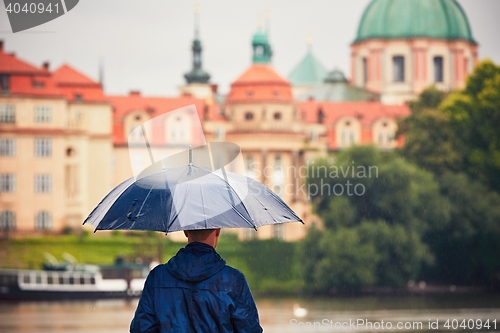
x=196, y=292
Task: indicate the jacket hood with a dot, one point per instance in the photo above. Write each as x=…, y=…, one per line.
x=195, y=262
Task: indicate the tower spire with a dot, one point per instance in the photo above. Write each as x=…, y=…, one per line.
x=196, y=11
x=197, y=74
x=309, y=40
x=101, y=71
x=267, y=19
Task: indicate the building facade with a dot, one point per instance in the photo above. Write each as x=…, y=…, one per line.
x=403, y=47
x=55, y=148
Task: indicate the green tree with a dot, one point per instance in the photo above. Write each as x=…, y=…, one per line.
x=344, y=262
x=475, y=118
x=372, y=239
x=394, y=190
x=430, y=141
x=467, y=247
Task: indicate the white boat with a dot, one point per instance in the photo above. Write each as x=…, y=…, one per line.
x=73, y=282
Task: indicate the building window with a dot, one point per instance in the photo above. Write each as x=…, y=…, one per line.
x=249, y=163
x=277, y=116
x=438, y=69
x=220, y=133
x=43, y=220
x=314, y=136
x=278, y=189
x=249, y=116
x=5, y=83
x=7, y=114
x=43, y=147
x=365, y=70
x=277, y=162
x=398, y=63
x=385, y=137
x=7, y=220
x=347, y=137
x=7, y=182
x=279, y=231
x=43, y=114
x=136, y=135
x=7, y=147
x=43, y=183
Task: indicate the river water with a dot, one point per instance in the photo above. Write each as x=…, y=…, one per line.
x=363, y=314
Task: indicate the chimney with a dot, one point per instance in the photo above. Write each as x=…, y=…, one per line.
x=1, y=45
x=214, y=88
x=135, y=93
x=46, y=66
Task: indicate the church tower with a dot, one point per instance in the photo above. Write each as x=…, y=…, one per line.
x=262, y=51
x=197, y=80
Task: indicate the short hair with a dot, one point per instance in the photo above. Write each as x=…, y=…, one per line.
x=200, y=235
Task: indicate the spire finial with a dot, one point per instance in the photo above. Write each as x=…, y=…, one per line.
x=196, y=11
x=309, y=40
x=267, y=19
x=101, y=71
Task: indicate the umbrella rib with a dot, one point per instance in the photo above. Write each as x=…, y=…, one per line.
x=276, y=221
x=203, y=205
x=117, y=196
x=172, y=196
x=144, y=201
x=242, y=204
x=241, y=215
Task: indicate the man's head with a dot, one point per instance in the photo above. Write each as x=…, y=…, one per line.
x=207, y=236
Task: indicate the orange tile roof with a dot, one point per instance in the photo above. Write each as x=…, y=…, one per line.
x=10, y=64
x=66, y=75
x=33, y=85
x=260, y=83
x=155, y=106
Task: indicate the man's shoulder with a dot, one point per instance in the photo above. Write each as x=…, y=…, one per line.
x=233, y=272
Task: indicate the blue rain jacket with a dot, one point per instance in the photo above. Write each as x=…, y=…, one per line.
x=196, y=292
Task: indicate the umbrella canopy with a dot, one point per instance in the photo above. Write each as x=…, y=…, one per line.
x=189, y=198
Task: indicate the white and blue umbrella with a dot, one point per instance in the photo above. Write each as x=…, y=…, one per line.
x=189, y=197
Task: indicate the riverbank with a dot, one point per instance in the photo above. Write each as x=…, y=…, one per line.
x=270, y=266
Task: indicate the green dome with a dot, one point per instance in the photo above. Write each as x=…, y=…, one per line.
x=260, y=37
x=440, y=19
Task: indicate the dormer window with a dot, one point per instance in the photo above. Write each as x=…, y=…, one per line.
x=78, y=97
x=5, y=83
x=38, y=84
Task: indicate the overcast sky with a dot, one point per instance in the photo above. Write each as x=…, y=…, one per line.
x=145, y=45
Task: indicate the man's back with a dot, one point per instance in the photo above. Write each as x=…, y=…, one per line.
x=196, y=292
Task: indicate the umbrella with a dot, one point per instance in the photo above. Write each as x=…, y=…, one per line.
x=189, y=197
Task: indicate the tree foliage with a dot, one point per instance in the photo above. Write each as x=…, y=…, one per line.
x=372, y=239
x=475, y=118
